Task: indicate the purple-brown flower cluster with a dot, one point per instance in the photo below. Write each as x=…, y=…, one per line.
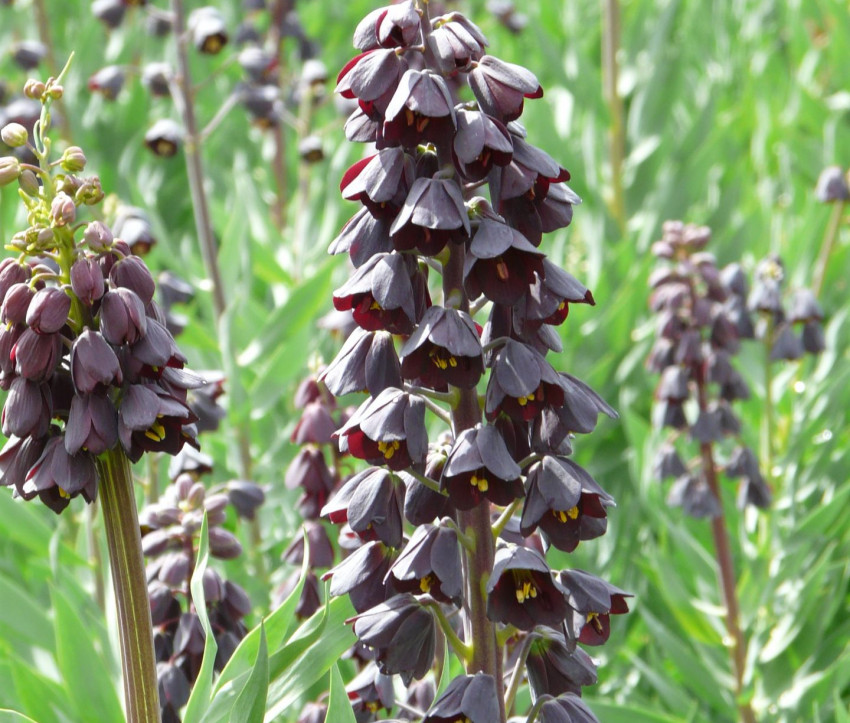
x=454, y=185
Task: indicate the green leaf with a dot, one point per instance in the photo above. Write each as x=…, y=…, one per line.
x=23, y=617
x=39, y=696
x=10, y=716
x=339, y=707
x=90, y=686
x=199, y=701
x=614, y=713
x=251, y=703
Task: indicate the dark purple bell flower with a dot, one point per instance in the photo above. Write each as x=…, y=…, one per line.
x=444, y=349
x=28, y=409
x=593, y=601
x=832, y=185
x=381, y=294
x=164, y=138
x=122, y=317
x=363, y=236
x=368, y=361
x=389, y=429
x=523, y=592
x=456, y=41
x=395, y=26
x=433, y=214
x=421, y=110
x=48, y=311
x=380, y=182
x=553, y=668
x=694, y=496
x=93, y=363
x=16, y=304
x=430, y=564
x=132, y=273
x=501, y=263
x=150, y=419
x=480, y=467
x=472, y=698
x=549, y=297
x=362, y=575
x=480, y=143
x=92, y=424
x=58, y=476
x=108, y=81
x=522, y=383
x=17, y=458
x=786, y=344
x=87, y=280
x=310, y=471
x=133, y=226
x=566, y=708
x=559, y=495
x=321, y=549
x=371, y=503
x=370, y=75
x=207, y=30
x=403, y=632
x=423, y=504
x=754, y=491
x=369, y=691
x=667, y=463
x=501, y=87
x=11, y=273
x=36, y=355
x=315, y=426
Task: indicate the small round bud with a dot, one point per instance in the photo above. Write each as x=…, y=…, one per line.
x=34, y=89
x=10, y=170
x=90, y=192
x=98, y=236
x=73, y=159
x=63, y=210
x=14, y=135
x=29, y=183
x=55, y=91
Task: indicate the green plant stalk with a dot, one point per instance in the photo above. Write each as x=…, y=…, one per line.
x=42, y=21
x=95, y=558
x=475, y=523
x=726, y=570
x=617, y=127
x=767, y=425
x=829, y=239
x=209, y=249
x=124, y=541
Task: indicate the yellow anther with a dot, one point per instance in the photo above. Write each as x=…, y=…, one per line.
x=525, y=591
x=375, y=306
x=388, y=449
x=372, y=706
x=409, y=116
x=63, y=494
x=425, y=584
x=594, y=621
x=155, y=432
x=564, y=515
x=522, y=401
x=452, y=362
x=421, y=123
x=480, y=482
x=502, y=270
x=562, y=305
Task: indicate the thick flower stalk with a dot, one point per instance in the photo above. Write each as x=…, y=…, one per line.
x=95, y=379
x=455, y=188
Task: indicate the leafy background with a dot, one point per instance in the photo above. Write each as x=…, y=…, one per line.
x=732, y=110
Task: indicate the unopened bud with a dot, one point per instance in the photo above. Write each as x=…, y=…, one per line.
x=98, y=236
x=28, y=183
x=55, y=91
x=10, y=170
x=14, y=135
x=90, y=192
x=73, y=159
x=63, y=210
x=34, y=89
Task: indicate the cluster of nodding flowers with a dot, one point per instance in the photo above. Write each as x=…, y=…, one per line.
x=84, y=350
x=455, y=187
x=703, y=313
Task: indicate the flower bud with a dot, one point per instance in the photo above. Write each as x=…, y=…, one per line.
x=73, y=159
x=10, y=170
x=122, y=317
x=34, y=89
x=87, y=280
x=14, y=135
x=29, y=183
x=90, y=192
x=132, y=273
x=63, y=211
x=48, y=311
x=55, y=91
x=108, y=81
x=16, y=303
x=109, y=12
x=98, y=236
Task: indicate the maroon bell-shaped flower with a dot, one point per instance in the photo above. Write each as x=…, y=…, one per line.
x=395, y=26
x=480, y=143
x=371, y=503
x=593, y=600
x=362, y=575
x=389, y=429
x=132, y=273
x=473, y=698
x=87, y=280
x=501, y=263
x=363, y=236
x=368, y=361
x=501, y=87
x=309, y=471
x=381, y=294
x=370, y=75
x=404, y=634
x=549, y=297
x=554, y=668
x=93, y=363
x=380, y=182
x=456, y=41
x=421, y=110
x=480, y=466
x=559, y=495
x=58, y=476
x=444, y=349
x=151, y=419
x=17, y=458
x=522, y=383
x=92, y=424
x=16, y=304
x=207, y=30
x=430, y=564
x=28, y=409
x=122, y=317
x=523, y=592
x=566, y=708
x=433, y=214
x=36, y=355
x=48, y=310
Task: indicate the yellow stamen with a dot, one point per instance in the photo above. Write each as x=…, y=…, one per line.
x=522, y=401
x=594, y=621
x=63, y=494
x=375, y=306
x=564, y=515
x=480, y=482
x=156, y=432
x=421, y=123
x=409, y=116
x=388, y=449
x=425, y=584
x=562, y=305
x=502, y=270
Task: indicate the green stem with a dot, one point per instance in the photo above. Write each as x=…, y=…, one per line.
x=462, y=650
x=131, y=593
x=829, y=239
x=505, y=517
x=616, y=130
x=519, y=669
